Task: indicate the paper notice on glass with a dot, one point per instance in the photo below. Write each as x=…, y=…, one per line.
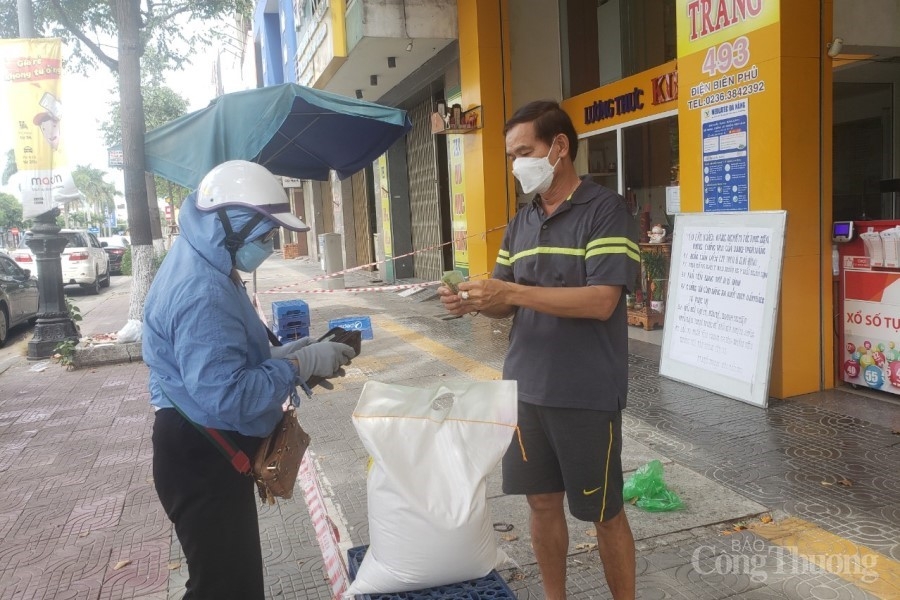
x=673, y=200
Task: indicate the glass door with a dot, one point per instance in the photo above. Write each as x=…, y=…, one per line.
x=602, y=156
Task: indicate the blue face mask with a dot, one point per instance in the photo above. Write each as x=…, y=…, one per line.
x=252, y=254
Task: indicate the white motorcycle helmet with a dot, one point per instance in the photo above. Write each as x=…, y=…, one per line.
x=248, y=184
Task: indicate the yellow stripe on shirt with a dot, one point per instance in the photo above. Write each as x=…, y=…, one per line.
x=547, y=250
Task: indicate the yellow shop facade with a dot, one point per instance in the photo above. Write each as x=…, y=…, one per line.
x=639, y=80
x=811, y=86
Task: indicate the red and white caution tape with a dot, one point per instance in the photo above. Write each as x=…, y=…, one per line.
x=379, y=262
x=356, y=290
x=335, y=567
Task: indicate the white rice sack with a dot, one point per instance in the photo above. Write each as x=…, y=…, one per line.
x=432, y=450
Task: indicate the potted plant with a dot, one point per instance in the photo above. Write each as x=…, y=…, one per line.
x=656, y=272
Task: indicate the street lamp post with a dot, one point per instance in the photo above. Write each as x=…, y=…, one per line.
x=54, y=325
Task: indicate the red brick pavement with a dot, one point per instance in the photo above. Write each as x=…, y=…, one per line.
x=76, y=489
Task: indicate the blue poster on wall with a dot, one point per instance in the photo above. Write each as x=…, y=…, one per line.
x=725, y=173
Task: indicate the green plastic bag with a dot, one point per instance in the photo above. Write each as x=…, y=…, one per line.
x=647, y=485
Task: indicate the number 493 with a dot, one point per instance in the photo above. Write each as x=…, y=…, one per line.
x=727, y=55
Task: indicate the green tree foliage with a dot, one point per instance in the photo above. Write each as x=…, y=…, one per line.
x=161, y=105
x=87, y=27
x=11, y=168
x=10, y=212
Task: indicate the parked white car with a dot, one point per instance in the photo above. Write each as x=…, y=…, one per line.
x=84, y=261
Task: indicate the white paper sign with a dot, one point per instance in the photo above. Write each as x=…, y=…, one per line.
x=722, y=302
x=673, y=199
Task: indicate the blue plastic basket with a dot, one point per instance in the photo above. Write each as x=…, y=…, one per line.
x=362, y=324
x=290, y=309
x=289, y=334
x=489, y=587
x=292, y=321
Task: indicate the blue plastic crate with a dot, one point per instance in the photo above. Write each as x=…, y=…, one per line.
x=363, y=324
x=489, y=587
x=292, y=321
x=289, y=334
x=290, y=309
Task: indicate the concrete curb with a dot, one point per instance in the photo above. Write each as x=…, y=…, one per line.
x=92, y=355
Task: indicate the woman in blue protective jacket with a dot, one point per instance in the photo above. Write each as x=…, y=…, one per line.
x=209, y=355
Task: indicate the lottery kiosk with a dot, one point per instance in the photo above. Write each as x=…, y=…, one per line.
x=867, y=268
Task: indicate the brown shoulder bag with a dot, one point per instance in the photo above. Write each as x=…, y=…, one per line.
x=277, y=461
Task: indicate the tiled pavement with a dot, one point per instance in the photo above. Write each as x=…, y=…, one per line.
x=76, y=494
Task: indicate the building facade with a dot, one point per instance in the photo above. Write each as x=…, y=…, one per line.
x=814, y=85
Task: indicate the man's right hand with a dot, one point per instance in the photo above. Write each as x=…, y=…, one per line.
x=490, y=296
x=452, y=302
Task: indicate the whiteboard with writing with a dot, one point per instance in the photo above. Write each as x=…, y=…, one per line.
x=722, y=303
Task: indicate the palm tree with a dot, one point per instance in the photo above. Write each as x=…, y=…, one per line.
x=100, y=195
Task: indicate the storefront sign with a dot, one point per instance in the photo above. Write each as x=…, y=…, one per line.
x=708, y=17
x=620, y=105
x=727, y=69
x=639, y=96
x=665, y=88
x=740, y=84
x=725, y=152
x=703, y=23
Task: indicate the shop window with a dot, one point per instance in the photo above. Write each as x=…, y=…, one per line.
x=606, y=40
x=602, y=160
x=650, y=156
x=862, y=151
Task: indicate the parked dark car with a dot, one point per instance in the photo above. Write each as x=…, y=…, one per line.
x=18, y=296
x=115, y=247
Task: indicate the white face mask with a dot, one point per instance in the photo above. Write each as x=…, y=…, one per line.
x=535, y=174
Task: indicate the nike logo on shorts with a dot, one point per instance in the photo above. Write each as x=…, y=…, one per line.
x=591, y=492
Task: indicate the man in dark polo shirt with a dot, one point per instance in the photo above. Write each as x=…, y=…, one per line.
x=561, y=272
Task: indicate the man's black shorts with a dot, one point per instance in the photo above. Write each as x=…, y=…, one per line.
x=571, y=450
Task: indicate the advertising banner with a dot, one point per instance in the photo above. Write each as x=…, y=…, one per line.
x=32, y=71
x=871, y=353
x=383, y=195
x=455, y=156
x=728, y=70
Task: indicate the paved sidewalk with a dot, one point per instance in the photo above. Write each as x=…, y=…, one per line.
x=77, y=500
